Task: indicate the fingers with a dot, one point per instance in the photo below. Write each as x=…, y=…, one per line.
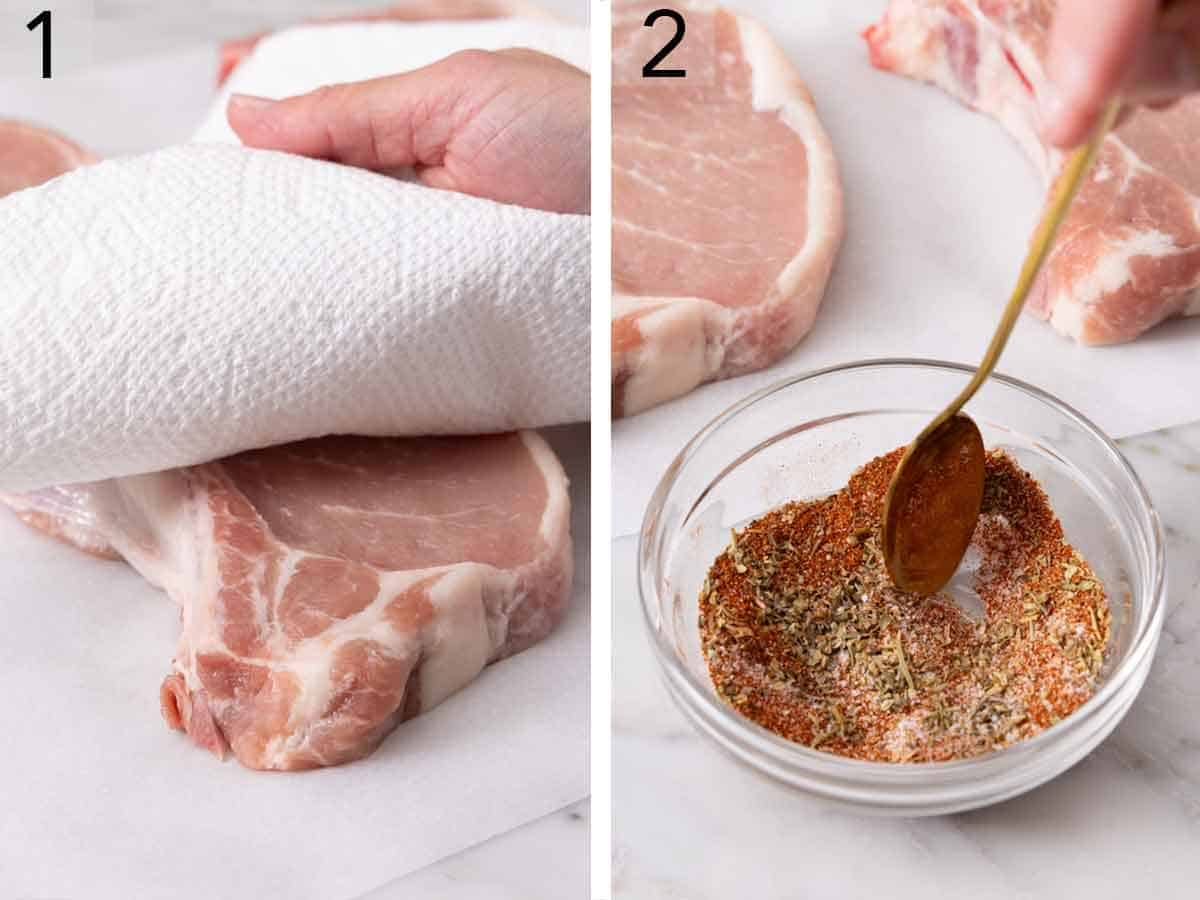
x=1094, y=45
x=1169, y=64
x=512, y=126
x=384, y=124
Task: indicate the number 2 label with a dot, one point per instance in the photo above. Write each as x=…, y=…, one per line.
x=650, y=70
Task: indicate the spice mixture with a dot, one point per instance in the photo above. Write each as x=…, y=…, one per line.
x=804, y=633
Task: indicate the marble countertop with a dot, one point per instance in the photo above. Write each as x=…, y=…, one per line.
x=690, y=823
x=544, y=860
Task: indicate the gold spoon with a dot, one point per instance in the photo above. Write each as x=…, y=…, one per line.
x=934, y=498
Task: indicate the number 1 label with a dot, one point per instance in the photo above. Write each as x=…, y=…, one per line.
x=42, y=20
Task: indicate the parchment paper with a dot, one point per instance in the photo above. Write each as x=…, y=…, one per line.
x=99, y=800
x=939, y=207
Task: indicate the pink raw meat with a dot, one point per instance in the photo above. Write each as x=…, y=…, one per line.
x=1128, y=255
x=330, y=589
x=727, y=208
x=30, y=155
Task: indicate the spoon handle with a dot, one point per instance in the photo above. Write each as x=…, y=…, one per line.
x=1043, y=240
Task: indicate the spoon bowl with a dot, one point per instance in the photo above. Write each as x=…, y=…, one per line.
x=932, y=505
x=925, y=536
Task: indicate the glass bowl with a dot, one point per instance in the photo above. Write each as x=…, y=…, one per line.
x=803, y=438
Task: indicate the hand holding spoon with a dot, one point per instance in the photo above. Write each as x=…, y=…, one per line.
x=936, y=492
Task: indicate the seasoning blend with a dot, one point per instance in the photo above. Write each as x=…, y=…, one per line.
x=804, y=633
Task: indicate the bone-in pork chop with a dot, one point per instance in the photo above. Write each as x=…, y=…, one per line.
x=727, y=208
x=1128, y=255
x=328, y=589
x=30, y=155
x=332, y=588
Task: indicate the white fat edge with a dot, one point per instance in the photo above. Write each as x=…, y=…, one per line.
x=146, y=519
x=74, y=509
x=1067, y=315
x=555, y=526
x=558, y=553
x=182, y=527
x=1003, y=94
x=777, y=88
x=1070, y=308
x=675, y=355
x=457, y=643
x=774, y=82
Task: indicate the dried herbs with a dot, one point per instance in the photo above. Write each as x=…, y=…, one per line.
x=804, y=633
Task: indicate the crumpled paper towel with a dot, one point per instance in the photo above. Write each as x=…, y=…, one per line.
x=166, y=309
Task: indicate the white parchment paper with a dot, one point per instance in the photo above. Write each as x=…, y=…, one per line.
x=102, y=802
x=939, y=207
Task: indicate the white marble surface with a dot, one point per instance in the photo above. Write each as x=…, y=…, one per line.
x=544, y=860
x=690, y=823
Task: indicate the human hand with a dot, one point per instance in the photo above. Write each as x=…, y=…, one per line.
x=1149, y=51
x=512, y=126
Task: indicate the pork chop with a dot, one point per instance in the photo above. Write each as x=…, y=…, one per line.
x=332, y=588
x=30, y=155
x=727, y=207
x=1128, y=255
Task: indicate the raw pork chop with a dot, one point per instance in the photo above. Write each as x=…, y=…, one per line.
x=1128, y=255
x=727, y=209
x=333, y=588
x=328, y=589
x=30, y=155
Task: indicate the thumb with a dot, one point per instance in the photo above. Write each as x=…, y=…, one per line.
x=384, y=124
x=1169, y=65
x=1092, y=47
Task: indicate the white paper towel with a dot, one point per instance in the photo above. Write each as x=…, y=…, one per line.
x=940, y=204
x=170, y=308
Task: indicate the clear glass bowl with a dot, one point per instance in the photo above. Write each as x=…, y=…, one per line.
x=802, y=438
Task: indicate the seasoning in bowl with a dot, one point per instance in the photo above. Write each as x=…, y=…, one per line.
x=804, y=633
